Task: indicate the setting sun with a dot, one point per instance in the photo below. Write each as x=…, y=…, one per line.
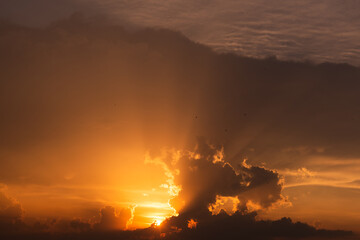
x=158, y=220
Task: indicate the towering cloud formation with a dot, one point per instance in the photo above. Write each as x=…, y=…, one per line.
x=215, y=200
x=207, y=182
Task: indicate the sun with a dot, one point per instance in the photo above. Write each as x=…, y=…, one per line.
x=157, y=220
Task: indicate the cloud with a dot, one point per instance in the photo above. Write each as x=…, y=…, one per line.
x=13, y=220
x=240, y=226
x=206, y=170
x=110, y=219
x=205, y=176
x=296, y=30
x=80, y=82
x=11, y=214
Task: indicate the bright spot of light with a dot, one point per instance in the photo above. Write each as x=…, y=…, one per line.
x=157, y=220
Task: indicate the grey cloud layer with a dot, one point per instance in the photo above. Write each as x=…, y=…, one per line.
x=320, y=31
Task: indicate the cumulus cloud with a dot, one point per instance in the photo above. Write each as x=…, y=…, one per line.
x=209, y=185
x=204, y=176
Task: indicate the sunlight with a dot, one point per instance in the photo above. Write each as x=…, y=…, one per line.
x=157, y=220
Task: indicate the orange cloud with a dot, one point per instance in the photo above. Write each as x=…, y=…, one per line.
x=192, y=224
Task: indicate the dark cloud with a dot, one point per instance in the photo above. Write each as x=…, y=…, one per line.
x=59, y=226
x=13, y=220
x=220, y=226
x=11, y=214
x=13, y=223
x=240, y=226
x=204, y=175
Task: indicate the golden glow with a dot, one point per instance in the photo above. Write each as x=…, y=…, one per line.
x=228, y=204
x=253, y=206
x=157, y=220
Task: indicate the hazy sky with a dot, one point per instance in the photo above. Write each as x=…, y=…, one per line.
x=105, y=127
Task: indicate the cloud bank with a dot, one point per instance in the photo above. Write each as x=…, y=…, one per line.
x=204, y=178
x=297, y=30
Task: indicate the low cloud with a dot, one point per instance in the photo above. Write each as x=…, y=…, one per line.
x=11, y=213
x=111, y=219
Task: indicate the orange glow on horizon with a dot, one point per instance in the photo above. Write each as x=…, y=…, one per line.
x=157, y=220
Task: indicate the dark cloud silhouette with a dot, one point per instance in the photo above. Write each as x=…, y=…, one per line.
x=240, y=226
x=204, y=175
x=14, y=223
x=203, y=168
x=11, y=214
x=220, y=226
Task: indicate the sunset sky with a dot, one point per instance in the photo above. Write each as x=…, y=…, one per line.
x=178, y=116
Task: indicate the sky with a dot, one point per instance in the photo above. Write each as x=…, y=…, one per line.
x=179, y=120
